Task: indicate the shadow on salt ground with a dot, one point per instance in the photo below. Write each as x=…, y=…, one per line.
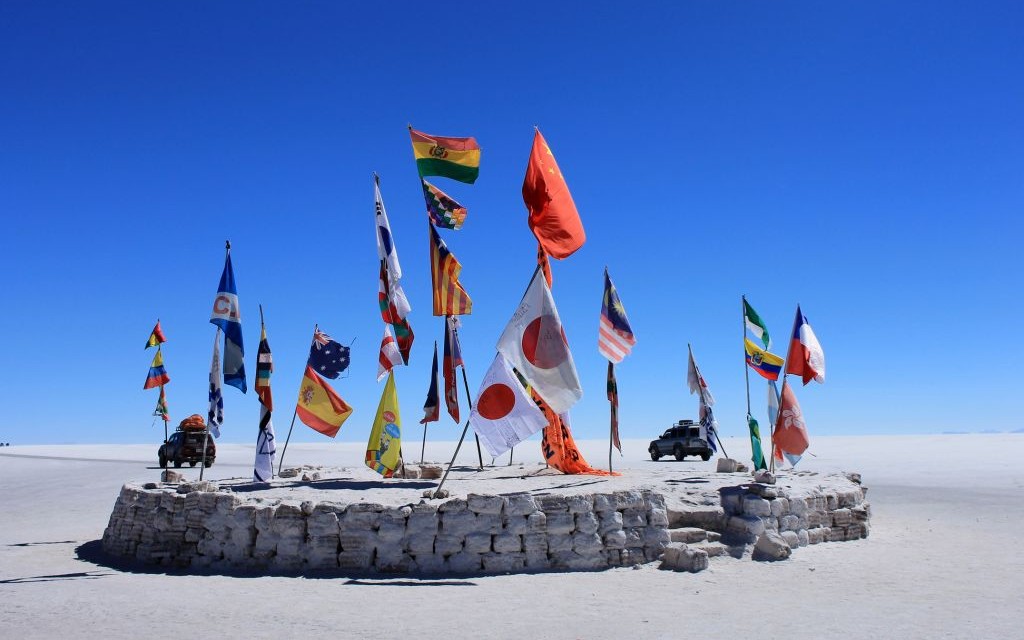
x=335, y=483
x=567, y=485
x=34, y=544
x=410, y=583
x=81, y=575
x=92, y=553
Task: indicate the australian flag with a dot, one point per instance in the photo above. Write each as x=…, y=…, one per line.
x=227, y=316
x=327, y=357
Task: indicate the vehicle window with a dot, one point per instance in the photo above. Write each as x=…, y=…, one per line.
x=667, y=434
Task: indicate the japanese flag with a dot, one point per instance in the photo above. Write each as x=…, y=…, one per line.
x=504, y=415
x=534, y=343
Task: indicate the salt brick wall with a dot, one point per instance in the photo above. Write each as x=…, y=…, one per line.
x=200, y=526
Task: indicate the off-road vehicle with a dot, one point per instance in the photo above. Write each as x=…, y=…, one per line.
x=685, y=438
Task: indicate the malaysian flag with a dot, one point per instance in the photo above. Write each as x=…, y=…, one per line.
x=615, y=337
x=327, y=357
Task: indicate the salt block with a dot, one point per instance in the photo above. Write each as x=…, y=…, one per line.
x=680, y=557
x=771, y=546
x=726, y=465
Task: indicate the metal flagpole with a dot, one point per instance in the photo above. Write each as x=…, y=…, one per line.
x=437, y=490
x=469, y=398
x=280, y=461
x=292, y=426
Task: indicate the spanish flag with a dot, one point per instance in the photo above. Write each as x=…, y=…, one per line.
x=319, y=406
x=767, y=365
x=455, y=158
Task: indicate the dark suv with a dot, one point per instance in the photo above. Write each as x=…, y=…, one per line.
x=187, y=446
x=685, y=438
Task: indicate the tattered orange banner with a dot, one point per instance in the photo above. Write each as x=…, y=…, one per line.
x=559, y=448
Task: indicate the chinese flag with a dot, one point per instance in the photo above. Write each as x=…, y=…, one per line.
x=553, y=216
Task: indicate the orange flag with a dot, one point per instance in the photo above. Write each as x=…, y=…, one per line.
x=553, y=216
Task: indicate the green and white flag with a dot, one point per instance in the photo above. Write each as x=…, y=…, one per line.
x=756, y=325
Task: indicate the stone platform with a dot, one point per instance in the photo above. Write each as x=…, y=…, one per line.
x=326, y=520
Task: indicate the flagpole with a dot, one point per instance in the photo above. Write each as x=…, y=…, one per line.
x=206, y=433
x=437, y=490
x=295, y=413
x=469, y=398
x=611, y=407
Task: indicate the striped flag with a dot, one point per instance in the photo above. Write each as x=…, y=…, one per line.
x=215, y=415
x=455, y=158
x=767, y=365
x=390, y=356
x=156, y=337
x=390, y=314
x=431, y=408
x=450, y=299
x=452, y=359
x=161, y=406
x=615, y=337
x=157, y=376
x=263, y=467
x=613, y=398
x=755, y=324
x=442, y=210
x=695, y=382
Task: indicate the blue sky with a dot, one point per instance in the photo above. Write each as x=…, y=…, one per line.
x=862, y=159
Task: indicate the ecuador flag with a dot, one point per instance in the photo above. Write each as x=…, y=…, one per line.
x=455, y=158
x=319, y=406
x=768, y=365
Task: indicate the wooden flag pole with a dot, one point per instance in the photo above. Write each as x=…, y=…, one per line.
x=746, y=369
x=280, y=462
x=206, y=432
x=611, y=407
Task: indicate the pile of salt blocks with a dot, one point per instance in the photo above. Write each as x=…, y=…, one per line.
x=198, y=525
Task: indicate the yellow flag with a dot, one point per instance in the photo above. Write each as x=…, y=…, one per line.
x=383, y=449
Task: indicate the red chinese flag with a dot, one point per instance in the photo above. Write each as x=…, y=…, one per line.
x=553, y=216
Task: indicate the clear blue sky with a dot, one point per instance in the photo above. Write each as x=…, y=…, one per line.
x=861, y=158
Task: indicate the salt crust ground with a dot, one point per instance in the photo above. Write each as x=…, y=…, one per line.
x=943, y=559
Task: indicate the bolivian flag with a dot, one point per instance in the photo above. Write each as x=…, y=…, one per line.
x=319, y=406
x=383, y=451
x=768, y=365
x=455, y=158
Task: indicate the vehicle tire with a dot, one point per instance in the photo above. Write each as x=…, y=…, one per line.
x=163, y=462
x=209, y=463
x=655, y=455
x=192, y=463
x=705, y=456
x=679, y=453
x=177, y=464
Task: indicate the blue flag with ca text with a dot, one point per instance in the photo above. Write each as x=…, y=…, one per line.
x=228, y=317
